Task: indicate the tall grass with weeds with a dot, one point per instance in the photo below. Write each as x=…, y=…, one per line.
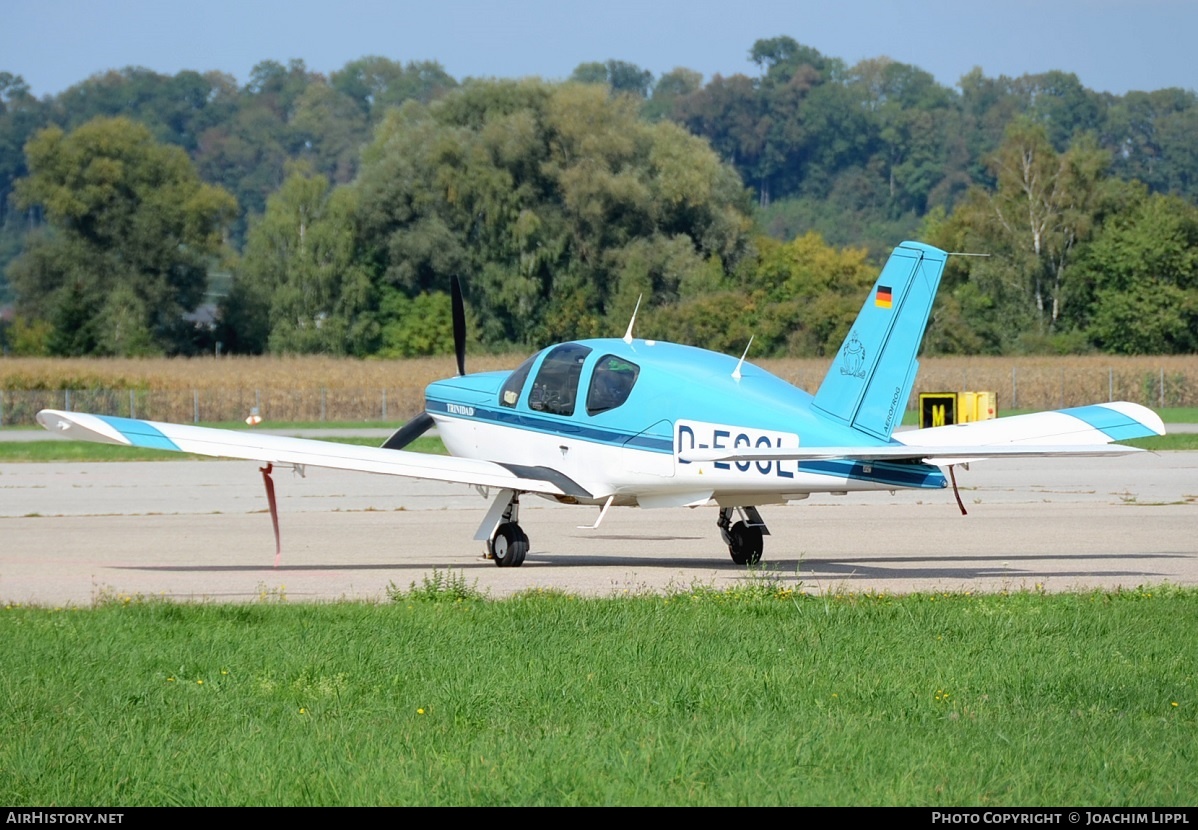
x=696, y=697
x=439, y=586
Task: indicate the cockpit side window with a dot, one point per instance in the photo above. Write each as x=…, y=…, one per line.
x=509, y=393
x=611, y=384
x=556, y=384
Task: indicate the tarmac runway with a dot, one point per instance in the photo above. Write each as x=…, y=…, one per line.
x=73, y=533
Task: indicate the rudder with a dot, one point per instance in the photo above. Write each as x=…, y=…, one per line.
x=870, y=380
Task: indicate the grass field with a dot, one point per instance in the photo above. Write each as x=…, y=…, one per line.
x=56, y=450
x=758, y=696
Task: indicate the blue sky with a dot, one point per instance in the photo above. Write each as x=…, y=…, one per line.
x=1112, y=45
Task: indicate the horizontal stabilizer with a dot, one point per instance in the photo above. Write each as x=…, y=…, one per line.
x=1096, y=424
x=1082, y=431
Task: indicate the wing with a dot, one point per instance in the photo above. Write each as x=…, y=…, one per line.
x=1082, y=431
x=281, y=450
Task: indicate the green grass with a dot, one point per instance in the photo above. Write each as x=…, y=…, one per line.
x=57, y=450
x=1160, y=443
x=757, y=696
x=1179, y=415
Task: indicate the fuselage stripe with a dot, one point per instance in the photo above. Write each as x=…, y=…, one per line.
x=565, y=429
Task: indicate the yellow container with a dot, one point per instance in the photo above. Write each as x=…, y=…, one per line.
x=976, y=406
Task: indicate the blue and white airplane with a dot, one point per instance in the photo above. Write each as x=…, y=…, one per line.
x=630, y=422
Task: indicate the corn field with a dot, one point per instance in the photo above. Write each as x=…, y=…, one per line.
x=327, y=389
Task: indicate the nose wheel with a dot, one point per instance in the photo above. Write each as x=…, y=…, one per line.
x=509, y=545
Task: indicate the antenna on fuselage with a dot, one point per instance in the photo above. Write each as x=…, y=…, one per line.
x=628, y=334
x=736, y=372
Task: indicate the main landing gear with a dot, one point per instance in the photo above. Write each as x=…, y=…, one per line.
x=508, y=543
x=745, y=538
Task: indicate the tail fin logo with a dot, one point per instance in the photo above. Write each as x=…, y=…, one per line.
x=883, y=298
x=852, y=356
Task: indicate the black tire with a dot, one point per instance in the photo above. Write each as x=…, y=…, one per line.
x=509, y=546
x=747, y=544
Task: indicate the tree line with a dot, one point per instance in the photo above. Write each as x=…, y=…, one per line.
x=339, y=208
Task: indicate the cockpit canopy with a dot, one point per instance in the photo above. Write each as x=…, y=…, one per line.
x=555, y=389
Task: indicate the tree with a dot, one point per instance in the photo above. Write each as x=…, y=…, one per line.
x=177, y=109
x=670, y=89
x=331, y=131
x=558, y=204
x=298, y=288
x=1044, y=205
x=248, y=152
x=621, y=76
x=1141, y=276
x=795, y=298
x=21, y=115
x=132, y=230
x=780, y=57
x=377, y=84
x=915, y=121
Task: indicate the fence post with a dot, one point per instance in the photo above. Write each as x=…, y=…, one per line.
x=195, y=405
x=1014, y=390
x=1162, y=387
x=323, y=392
x=132, y=404
x=384, y=403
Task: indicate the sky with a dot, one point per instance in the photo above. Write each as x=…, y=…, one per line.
x=1112, y=45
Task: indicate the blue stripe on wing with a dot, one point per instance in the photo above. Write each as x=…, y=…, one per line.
x=1110, y=422
x=140, y=433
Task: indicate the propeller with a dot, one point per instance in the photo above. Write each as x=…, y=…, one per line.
x=409, y=432
x=423, y=422
x=459, y=324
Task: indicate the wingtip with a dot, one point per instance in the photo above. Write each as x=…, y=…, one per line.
x=1140, y=413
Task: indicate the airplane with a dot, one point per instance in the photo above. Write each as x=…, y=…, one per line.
x=634, y=422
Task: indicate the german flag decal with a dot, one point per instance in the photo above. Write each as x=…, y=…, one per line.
x=882, y=298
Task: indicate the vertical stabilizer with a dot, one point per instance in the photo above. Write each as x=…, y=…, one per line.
x=872, y=374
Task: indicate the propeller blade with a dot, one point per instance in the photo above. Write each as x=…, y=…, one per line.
x=459, y=325
x=409, y=432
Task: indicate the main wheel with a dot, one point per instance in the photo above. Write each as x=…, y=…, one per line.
x=747, y=544
x=509, y=546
